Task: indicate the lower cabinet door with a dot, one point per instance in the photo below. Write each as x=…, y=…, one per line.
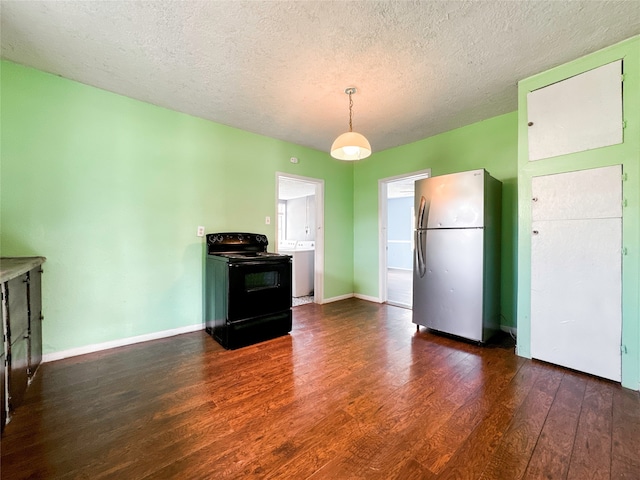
x=576, y=295
x=18, y=376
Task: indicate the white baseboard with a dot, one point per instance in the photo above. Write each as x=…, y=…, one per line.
x=337, y=299
x=368, y=298
x=73, y=352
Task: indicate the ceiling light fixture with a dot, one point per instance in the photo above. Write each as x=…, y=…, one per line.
x=350, y=145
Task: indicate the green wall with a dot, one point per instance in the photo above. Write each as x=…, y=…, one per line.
x=111, y=191
x=627, y=154
x=491, y=144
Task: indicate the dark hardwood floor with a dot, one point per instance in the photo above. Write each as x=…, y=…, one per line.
x=353, y=393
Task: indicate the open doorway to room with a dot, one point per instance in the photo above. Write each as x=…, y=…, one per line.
x=397, y=221
x=300, y=233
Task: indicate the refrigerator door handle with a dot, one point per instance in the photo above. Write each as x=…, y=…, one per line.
x=421, y=246
x=421, y=220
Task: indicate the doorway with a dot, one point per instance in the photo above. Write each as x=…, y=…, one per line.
x=397, y=220
x=300, y=233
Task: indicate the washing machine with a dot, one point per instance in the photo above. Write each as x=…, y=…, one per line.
x=304, y=268
x=303, y=253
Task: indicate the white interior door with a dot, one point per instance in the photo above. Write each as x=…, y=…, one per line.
x=576, y=271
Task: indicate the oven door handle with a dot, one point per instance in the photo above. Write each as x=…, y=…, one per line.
x=259, y=264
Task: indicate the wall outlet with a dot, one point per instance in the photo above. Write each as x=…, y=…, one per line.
x=200, y=232
x=267, y=220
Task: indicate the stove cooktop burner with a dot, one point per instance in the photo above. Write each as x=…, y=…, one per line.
x=242, y=247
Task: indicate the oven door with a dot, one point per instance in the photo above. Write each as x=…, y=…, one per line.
x=258, y=288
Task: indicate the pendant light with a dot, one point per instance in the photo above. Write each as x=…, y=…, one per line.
x=350, y=145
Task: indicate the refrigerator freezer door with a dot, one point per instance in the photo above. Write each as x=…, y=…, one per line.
x=448, y=298
x=451, y=201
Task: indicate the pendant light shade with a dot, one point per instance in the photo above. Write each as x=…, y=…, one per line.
x=350, y=145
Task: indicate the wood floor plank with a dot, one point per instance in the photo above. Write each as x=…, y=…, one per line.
x=625, y=451
x=423, y=418
x=514, y=450
x=353, y=392
x=591, y=457
x=321, y=445
x=449, y=438
x=550, y=458
x=440, y=405
x=472, y=456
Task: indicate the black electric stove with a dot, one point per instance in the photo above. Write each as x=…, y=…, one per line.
x=247, y=290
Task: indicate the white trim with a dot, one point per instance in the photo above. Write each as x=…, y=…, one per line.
x=419, y=175
x=338, y=298
x=382, y=226
x=318, y=261
x=368, y=298
x=383, y=239
x=399, y=305
x=97, y=347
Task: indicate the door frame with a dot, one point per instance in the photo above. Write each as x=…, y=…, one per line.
x=318, y=257
x=382, y=225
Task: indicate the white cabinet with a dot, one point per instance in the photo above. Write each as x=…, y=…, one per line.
x=592, y=193
x=576, y=270
x=577, y=114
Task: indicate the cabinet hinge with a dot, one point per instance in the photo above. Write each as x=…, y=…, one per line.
x=623, y=349
x=624, y=251
x=624, y=124
x=624, y=202
x=625, y=177
x=622, y=75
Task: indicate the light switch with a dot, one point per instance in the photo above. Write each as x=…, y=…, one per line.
x=267, y=220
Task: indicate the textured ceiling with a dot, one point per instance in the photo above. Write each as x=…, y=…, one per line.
x=279, y=68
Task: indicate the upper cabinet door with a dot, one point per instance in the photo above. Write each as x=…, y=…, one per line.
x=592, y=193
x=577, y=114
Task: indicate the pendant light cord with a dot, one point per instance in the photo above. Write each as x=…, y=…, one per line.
x=350, y=113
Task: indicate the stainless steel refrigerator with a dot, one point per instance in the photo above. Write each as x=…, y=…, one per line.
x=456, y=275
